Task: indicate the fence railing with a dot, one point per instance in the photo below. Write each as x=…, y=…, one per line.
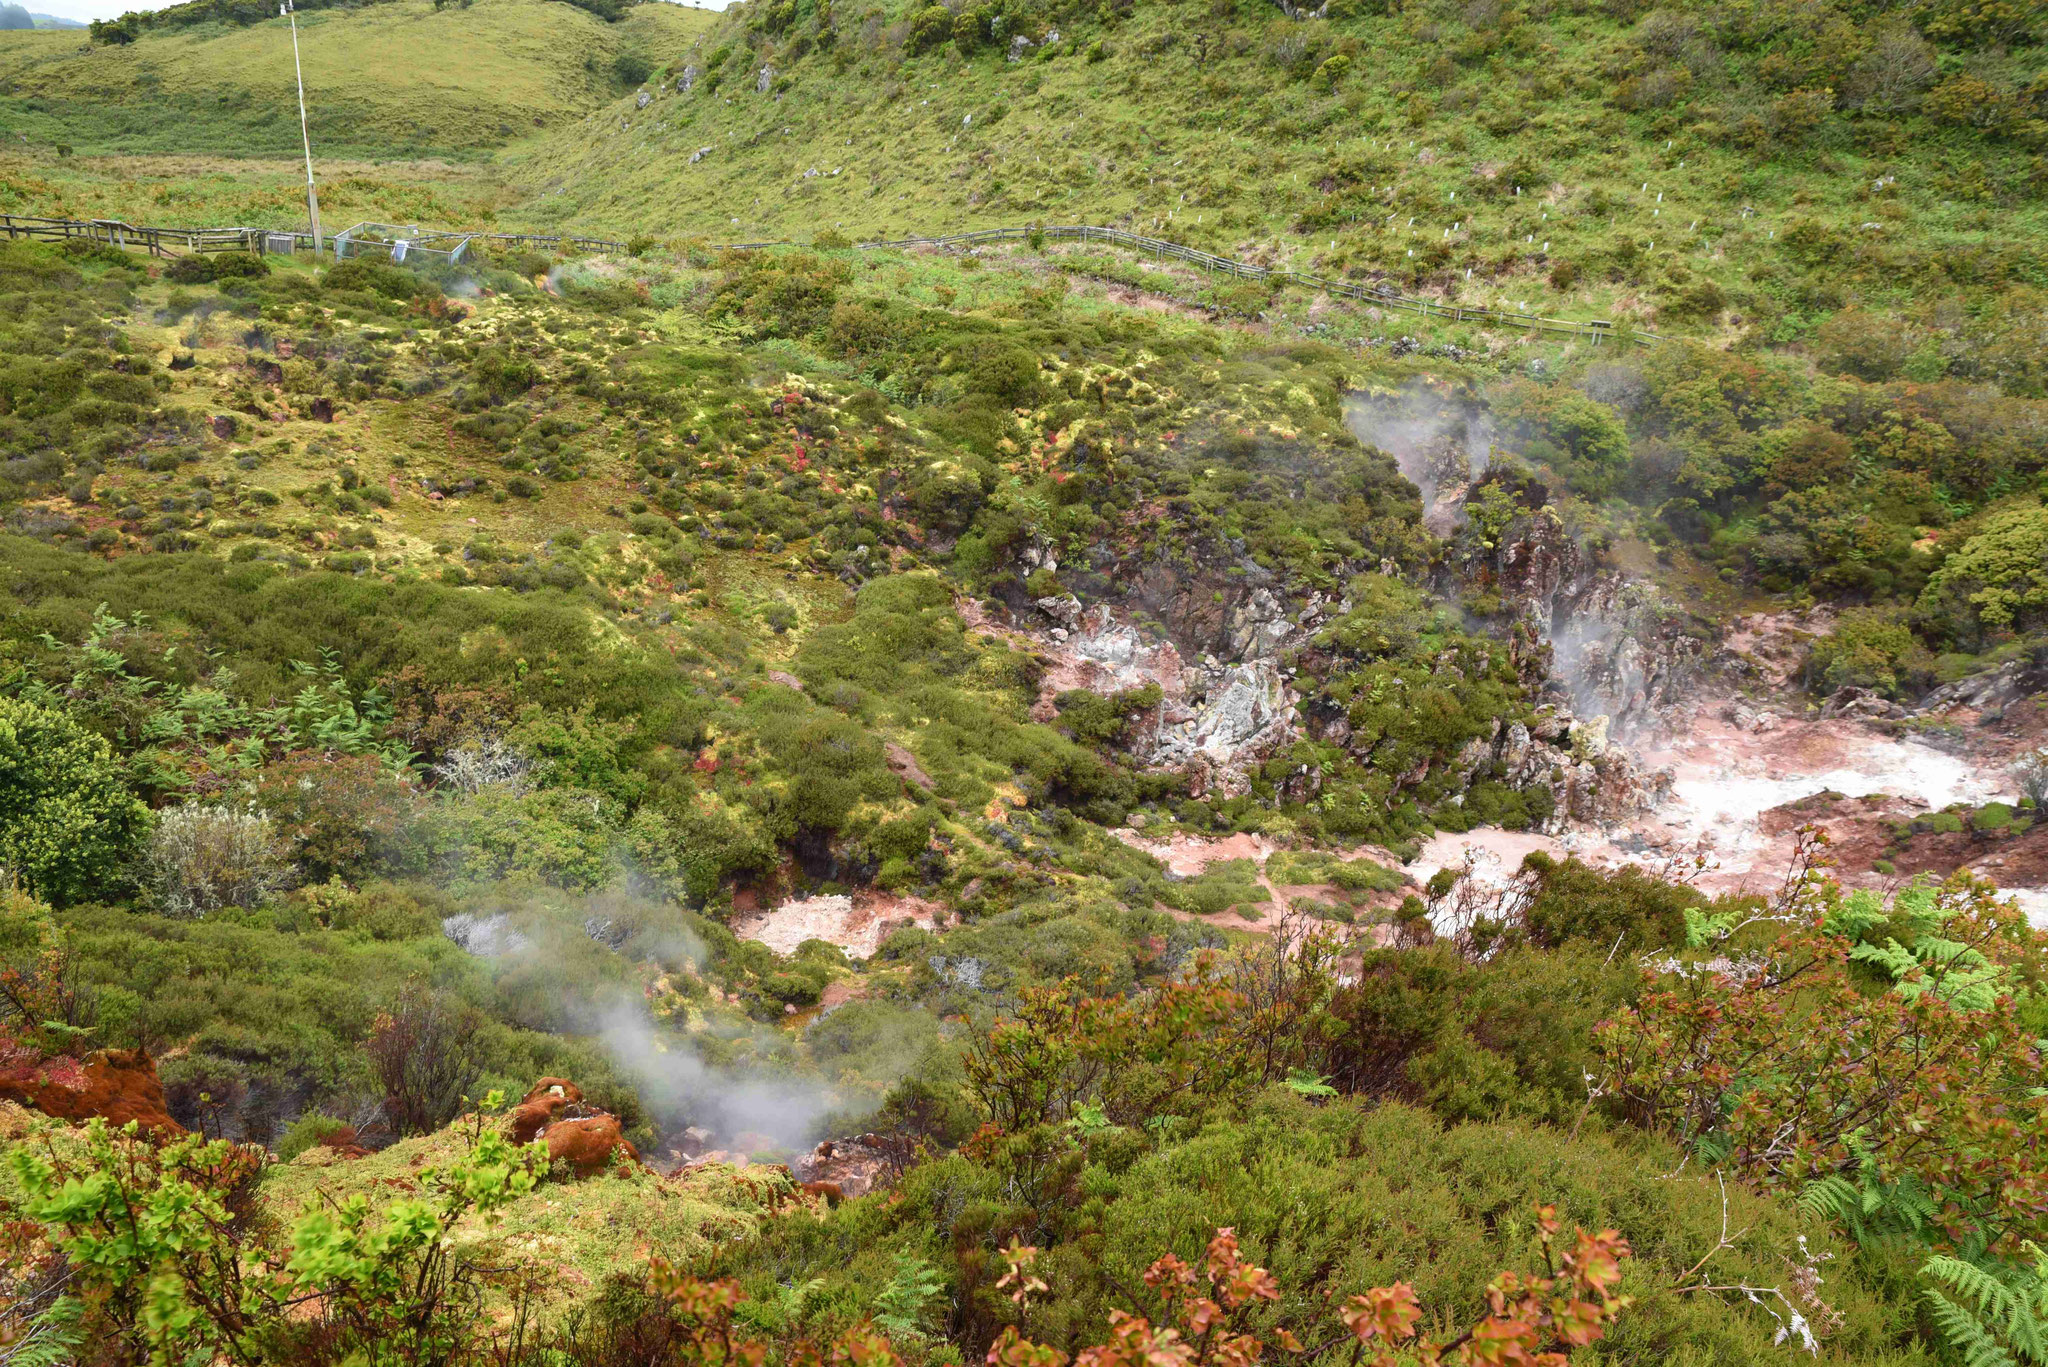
x=113, y=232
x=400, y=242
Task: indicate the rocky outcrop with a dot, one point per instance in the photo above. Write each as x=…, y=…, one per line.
x=1589, y=779
x=1861, y=703
x=1992, y=691
x=117, y=1085
x=1214, y=719
x=588, y=1140
x=852, y=1167
x=1619, y=648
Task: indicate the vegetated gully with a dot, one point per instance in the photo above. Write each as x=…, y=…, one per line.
x=1733, y=757
x=1687, y=748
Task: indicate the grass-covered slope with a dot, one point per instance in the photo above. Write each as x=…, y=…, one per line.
x=407, y=78
x=1752, y=165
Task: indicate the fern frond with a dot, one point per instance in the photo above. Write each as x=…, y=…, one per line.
x=1833, y=1197
x=54, y=1338
x=1998, y=1303
x=1891, y=956
x=1859, y=911
x=1967, y=1334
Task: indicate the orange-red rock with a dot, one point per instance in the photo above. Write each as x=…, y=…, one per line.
x=119, y=1085
x=588, y=1143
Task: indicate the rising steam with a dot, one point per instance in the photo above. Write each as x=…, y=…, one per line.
x=1438, y=442
x=570, y=963
x=679, y=1089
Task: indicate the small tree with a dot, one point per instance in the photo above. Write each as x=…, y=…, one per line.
x=68, y=823
x=1912, y=1110
x=202, y=859
x=425, y=1052
x=172, y=1260
x=45, y=1016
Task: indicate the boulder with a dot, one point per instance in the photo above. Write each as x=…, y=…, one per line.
x=1860, y=702
x=580, y=1135
x=587, y=1143
x=1991, y=691
x=853, y=1166
x=117, y=1085
x=543, y=1104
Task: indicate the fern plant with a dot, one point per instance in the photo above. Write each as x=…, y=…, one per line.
x=1933, y=962
x=901, y=1305
x=1869, y=1205
x=1992, y=1314
x=53, y=1338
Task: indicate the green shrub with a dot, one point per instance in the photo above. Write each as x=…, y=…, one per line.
x=1871, y=648
x=198, y=269
x=1992, y=816
x=932, y=27
x=1573, y=901
x=69, y=826
x=309, y=1131
x=377, y=277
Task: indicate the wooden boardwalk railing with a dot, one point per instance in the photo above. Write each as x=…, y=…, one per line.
x=159, y=242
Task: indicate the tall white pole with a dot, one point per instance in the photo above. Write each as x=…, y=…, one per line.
x=312, y=197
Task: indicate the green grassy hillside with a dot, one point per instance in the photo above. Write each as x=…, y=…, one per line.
x=1753, y=166
x=407, y=78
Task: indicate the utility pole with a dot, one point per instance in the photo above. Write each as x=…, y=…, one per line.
x=285, y=8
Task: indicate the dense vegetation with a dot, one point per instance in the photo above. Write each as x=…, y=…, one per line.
x=413, y=680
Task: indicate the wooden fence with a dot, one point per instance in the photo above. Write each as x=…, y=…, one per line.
x=113, y=232
x=160, y=241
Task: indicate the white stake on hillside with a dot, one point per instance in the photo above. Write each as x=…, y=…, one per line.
x=312, y=197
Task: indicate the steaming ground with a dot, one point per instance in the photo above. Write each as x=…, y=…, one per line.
x=1728, y=781
x=857, y=925
x=577, y=960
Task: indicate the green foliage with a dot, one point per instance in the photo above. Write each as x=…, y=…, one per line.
x=1569, y=901
x=68, y=823
x=1993, y=583
x=1721, y=1061
x=902, y=1305
x=198, y=269
x=931, y=27
x=1505, y=1037
x=308, y=1131
x=1871, y=648
x=1931, y=960
x=1992, y=1316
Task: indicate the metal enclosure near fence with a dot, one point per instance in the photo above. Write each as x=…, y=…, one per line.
x=399, y=243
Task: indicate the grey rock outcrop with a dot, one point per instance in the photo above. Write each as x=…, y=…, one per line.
x=1588, y=779
x=1994, y=690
